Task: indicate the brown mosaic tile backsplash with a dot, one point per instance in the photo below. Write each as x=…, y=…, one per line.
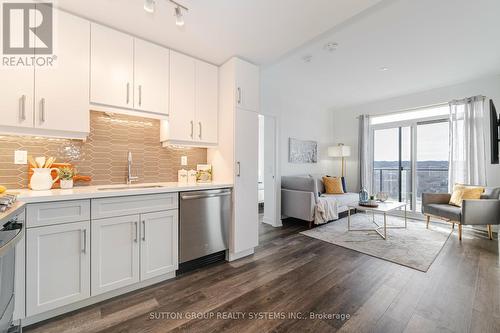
x=103, y=156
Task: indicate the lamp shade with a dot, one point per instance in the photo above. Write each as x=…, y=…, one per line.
x=339, y=151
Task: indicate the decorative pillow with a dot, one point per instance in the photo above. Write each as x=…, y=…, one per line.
x=344, y=186
x=462, y=192
x=333, y=185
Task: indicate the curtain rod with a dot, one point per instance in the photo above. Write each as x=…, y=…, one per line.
x=467, y=99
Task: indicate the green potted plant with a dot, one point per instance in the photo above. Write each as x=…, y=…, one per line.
x=66, y=175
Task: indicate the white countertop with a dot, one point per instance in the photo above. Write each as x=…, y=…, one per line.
x=93, y=192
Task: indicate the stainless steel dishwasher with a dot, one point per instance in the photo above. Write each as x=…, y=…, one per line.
x=204, y=227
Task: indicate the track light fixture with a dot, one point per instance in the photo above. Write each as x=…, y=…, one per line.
x=149, y=6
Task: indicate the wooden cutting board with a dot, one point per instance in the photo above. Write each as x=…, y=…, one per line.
x=77, y=178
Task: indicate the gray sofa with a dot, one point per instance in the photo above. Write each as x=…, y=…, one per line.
x=299, y=195
x=485, y=211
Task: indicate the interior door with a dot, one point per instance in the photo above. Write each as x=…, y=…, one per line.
x=207, y=102
x=62, y=90
x=159, y=243
x=115, y=253
x=151, y=77
x=181, y=122
x=246, y=220
x=270, y=190
x=112, y=67
x=57, y=266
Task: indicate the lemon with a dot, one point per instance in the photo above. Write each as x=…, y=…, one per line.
x=2, y=189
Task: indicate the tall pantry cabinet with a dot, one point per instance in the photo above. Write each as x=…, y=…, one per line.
x=235, y=159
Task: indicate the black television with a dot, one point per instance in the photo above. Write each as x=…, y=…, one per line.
x=495, y=127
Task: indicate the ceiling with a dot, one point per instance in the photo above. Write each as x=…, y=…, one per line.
x=423, y=44
x=260, y=31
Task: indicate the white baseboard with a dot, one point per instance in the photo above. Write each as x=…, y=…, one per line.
x=235, y=256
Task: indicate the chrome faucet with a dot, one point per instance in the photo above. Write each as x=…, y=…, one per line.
x=130, y=178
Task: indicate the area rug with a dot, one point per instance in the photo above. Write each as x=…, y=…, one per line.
x=415, y=247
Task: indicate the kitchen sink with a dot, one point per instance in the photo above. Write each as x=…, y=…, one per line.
x=138, y=187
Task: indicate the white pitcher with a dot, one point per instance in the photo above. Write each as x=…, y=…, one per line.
x=42, y=179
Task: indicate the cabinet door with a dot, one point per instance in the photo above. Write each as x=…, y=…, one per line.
x=159, y=243
x=247, y=85
x=246, y=220
x=115, y=253
x=207, y=90
x=62, y=90
x=151, y=77
x=16, y=99
x=57, y=266
x=112, y=67
x=182, y=98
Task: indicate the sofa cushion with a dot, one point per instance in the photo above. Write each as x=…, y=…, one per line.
x=333, y=185
x=344, y=199
x=491, y=193
x=443, y=210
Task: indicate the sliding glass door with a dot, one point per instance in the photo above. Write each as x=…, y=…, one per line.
x=392, y=164
x=410, y=155
x=432, y=158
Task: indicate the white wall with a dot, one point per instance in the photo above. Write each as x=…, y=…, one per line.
x=345, y=124
x=298, y=117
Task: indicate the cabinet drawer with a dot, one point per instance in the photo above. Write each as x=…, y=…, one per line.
x=130, y=205
x=51, y=213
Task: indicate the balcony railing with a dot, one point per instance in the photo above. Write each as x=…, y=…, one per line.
x=429, y=180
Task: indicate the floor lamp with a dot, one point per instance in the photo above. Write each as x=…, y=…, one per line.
x=341, y=151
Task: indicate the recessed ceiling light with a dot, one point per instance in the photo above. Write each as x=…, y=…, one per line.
x=330, y=47
x=307, y=58
x=384, y=69
x=149, y=6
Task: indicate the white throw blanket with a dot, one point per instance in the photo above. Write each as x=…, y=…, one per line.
x=326, y=209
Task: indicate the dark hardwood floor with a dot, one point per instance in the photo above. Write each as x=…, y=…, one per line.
x=291, y=275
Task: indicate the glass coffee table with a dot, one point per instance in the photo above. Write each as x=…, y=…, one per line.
x=383, y=208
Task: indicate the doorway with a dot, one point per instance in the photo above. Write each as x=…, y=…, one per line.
x=267, y=170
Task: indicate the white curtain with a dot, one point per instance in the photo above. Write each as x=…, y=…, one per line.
x=467, y=142
x=365, y=156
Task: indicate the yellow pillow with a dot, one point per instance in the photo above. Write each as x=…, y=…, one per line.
x=333, y=185
x=462, y=192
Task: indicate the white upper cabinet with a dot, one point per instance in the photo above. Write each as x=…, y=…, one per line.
x=193, y=101
x=207, y=102
x=181, y=122
x=62, y=91
x=247, y=85
x=51, y=99
x=151, y=77
x=112, y=67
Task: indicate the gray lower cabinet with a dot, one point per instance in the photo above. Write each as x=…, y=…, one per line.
x=115, y=253
x=57, y=266
x=76, y=250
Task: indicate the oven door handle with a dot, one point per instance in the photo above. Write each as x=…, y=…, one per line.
x=10, y=244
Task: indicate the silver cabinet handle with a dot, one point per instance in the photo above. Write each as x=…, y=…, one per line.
x=239, y=95
x=22, y=108
x=200, y=134
x=128, y=92
x=140, y=95
x=84, y=242
x=238, y=169
x=42, y=110
x=192, y=129
x=136, y=232
x=143, y=230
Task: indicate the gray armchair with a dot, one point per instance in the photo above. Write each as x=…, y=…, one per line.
x=484, y=211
